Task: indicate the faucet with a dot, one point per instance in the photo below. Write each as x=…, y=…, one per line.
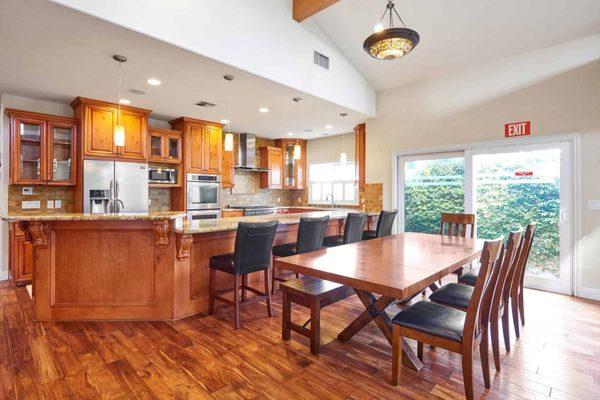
x=332, y=200
x=118, y=208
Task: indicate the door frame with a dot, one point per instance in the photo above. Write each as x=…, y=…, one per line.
x=469, y=148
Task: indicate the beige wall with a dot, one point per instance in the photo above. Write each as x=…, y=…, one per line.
x=327, y=149
x=558, y=89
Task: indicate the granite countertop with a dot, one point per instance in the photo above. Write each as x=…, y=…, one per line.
x=227, y=224
x=151, y=216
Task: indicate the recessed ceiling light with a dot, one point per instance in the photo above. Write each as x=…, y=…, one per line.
x=225, y=121
x=124, y=101
x=263, y=110
x=290, y=133
x=153, y=82
x=328, y=126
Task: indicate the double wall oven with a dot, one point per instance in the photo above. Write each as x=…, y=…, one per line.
x=203, y=196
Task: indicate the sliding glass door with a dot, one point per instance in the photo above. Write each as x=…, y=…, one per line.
x=506, y=187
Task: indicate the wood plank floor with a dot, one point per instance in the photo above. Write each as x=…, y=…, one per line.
x=202, y=357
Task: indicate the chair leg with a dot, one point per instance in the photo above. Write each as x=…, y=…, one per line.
x=506, y=328
x=521, y=307
x=420, y=350
x=244, y=284
x=273, y=279
x=514, y=307
x=467, y=368
x=485, y=361
x=268, y=292
x=315, y=326
x=211, y=297
x=236, y=301
x=286, y=318
x=495, y=342
x=396, y=355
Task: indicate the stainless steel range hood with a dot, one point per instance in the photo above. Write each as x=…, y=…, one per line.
x=247, y=153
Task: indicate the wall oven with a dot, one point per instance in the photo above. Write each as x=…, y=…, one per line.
x=203, y=192
x=204, y=214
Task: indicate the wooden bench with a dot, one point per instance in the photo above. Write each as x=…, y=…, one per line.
x=313, y=293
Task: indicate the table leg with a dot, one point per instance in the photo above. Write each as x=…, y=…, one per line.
x=375, y=311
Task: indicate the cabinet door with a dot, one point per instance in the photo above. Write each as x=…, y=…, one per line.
x=213, y=146
x=20, y=257
x=172, y=148
x=227, y=173
x=157, y=147
x=28, y=147
x=289, y=166
x=194, y=140
x=275, y=170
x=99, y=131
x=301, y=168
x=61, y=153
x=136, y=131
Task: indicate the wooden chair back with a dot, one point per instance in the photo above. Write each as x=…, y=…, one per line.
x=509, y=263
x=519, y=273
x=457, y=224
x=484, y=288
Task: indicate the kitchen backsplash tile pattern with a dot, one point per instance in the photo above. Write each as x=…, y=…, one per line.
x=160, y=199
x=247, y=191
x=42, y=194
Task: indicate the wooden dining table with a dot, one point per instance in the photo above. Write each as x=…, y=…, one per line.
x=392, y=269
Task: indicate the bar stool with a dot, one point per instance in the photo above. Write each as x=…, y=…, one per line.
x=253, y=244
x=311, y=232
x=353, y=231
x=385, y=222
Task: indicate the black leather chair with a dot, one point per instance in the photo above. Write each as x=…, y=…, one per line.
x=253, y=244
x=311, y=232
x=385, y=222
x=353, y=231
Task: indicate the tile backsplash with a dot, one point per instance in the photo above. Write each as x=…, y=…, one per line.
x=247, y=191
x=160, y=199
x=42, y=194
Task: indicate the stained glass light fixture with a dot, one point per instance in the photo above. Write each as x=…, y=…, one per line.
x=391, y=43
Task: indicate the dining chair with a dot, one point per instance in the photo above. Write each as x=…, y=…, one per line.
x=253, y=244
x=446, y=327
x=516, y=289
x=353, y=231
x=311, y=232
x=385, y=222
x=454, y=224
x=458, y=295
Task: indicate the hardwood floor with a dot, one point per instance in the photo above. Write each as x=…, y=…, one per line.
x=202, y=357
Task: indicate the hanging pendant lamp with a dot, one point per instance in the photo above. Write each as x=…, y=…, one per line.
x=228, y=136
x=391, y=43
x=297, y=147
x=119, y=133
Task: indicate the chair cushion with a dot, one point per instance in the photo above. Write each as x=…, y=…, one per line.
x=368, y=235
x=285, y=250
x=453, y=294
x=469, y=277
x=332, y=241
x=434, y=319
x=223, y=262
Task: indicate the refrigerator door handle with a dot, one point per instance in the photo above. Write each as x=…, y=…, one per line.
x=116, y=188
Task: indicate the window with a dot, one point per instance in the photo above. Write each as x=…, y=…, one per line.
x=333, y=178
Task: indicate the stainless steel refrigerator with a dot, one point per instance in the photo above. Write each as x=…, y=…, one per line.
x=110, y=186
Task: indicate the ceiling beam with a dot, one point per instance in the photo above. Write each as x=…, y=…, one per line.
x=304, y=9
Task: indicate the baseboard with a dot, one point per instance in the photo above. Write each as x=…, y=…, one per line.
x=588, y=293
x=3, y=275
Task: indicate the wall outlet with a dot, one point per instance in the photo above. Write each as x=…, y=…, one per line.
x=28, y=205
x=299, y=200
x=57, y=203
x=50, y=204
x=593, y=204
x=149, y=202
x=27, y=191
x=279, y=199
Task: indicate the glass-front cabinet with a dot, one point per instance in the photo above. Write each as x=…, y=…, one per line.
x=165, y=145
x=294, y=168
x=42, y=149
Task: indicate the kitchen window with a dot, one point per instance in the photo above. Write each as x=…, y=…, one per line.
x=328, y=178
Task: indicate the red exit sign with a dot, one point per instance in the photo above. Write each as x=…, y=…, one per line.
x=513, y=129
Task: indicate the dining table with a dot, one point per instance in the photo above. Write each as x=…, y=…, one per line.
x=387, y=270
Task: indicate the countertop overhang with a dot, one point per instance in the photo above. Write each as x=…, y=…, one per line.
x=49, y=217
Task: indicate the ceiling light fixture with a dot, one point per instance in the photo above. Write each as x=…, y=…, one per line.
x=153, y=82
x=290, y=133
x=297, y=147
x=119, y=132
x=224, y=121
x=228, y=136
x=125, y=101
x=328, y=126
x=263, y=110
x=391, y=43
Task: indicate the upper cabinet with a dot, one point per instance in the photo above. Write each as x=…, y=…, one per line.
x=294, y=171
x=97, y=123
x=271, y=158
x=42, y=149
x=360, y=133
x=203, y=144
x=164, y=145
x=227, y=169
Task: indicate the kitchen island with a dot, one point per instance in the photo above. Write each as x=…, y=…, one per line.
x=150, y=266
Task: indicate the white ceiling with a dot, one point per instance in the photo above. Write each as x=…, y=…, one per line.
x=50, y=52
x=456, y=34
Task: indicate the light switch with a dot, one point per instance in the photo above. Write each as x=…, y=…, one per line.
x=50, y=204
x=57, y=203
x=593, y=204
x=27, y=205
x=27, y=191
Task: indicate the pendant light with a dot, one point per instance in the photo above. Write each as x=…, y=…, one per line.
x=391, y=43
x=297, y=147
x=119, y=133
x=343, y=155
x=228, y=136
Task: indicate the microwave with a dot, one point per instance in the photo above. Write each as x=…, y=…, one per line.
x=162, y=175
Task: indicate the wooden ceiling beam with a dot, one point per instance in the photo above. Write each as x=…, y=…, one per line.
x=304, y=9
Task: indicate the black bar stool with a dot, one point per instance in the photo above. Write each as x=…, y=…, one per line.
x=353, y=231
x=384, y=225
x=311, y=232
x=253, y=244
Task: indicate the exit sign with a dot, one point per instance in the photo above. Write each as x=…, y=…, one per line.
x=513, y=129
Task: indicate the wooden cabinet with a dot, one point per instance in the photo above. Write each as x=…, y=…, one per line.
x=203, y=144
x=97, y=123
x=227, y=169
x=42, y=149
x=294, y=171
x=360, y=132
x=164, y=145
x=271, y=158
x=20, y=264
x=230, y=213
